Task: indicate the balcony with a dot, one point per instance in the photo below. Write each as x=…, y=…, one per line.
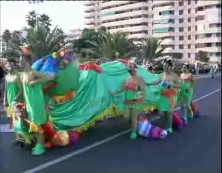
x=130, y=29
x=89, y=22
x=162, y=35
x=209, y=31
x=88, y=10
x=126, y=7
x=126, y=22
x=212, y=2
x=163, y=17
x=122, y=15
x=168, y=25
x=89, y=3
x=158, y=3
x=209, y=40
x=209, y=49
x=136, y=36
x=162, y=8
x=89, y=15
x=113, y=3
x=167, y=41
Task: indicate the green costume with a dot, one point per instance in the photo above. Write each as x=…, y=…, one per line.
x=19, y=125
x=164, y=104
x=35, y=103
x=186, y=95
x=131, y=97
x=12, y=91
x=187, y=90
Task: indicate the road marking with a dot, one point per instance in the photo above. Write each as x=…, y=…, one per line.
x=96, y=144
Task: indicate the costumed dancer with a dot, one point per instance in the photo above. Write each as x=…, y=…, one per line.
x=134, y=96
x=186, y=92
x=169, y=84
x=34, y=102
x=12, y=94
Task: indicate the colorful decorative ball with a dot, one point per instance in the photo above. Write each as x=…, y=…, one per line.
x=163, y=134
x=73, y=137
x=61, y=138
x=54, y=54
x=177, y=121
x=164, y=84
x=62, y=53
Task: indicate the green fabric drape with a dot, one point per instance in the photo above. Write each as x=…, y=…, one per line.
x=93, y=95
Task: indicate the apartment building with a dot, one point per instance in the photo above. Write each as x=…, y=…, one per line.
x=185, y=27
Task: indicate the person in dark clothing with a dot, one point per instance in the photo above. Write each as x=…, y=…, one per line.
x=2, y=75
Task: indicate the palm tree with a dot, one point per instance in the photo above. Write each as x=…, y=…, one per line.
x=151, y=49
x=82, y=44
x=6, y=37
x=112, y=46
x=32, y=19
x=45, y=21
x=42, y=42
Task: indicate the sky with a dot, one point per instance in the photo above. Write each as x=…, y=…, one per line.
x=68, y=15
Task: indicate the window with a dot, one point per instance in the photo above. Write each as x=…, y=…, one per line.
x=181, y=20
x=198, y=18
x=189, y=46
x=188, y=55
x=189, y=2
x=208, y=44
x=189, y=28
x=180, y=12
x=189, y=11
x=200, y=8
x=180, y=37
x=189, y=19
x=181, y=46
x=189, y=37
x=217, y=25
x=199, y=45
x=180, y=3
x=180, y=29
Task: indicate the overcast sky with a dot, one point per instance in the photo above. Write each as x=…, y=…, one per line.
x=67, y=15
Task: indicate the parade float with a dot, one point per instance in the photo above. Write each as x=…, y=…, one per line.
x=78, y=95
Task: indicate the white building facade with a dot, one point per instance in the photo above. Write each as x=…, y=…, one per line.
x=185, y=27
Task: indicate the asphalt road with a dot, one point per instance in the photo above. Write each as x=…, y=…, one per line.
x=106, y=148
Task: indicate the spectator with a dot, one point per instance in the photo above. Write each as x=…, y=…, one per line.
x=2, y=75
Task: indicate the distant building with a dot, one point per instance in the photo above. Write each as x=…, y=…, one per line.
x=73, y=35
x=185, y=26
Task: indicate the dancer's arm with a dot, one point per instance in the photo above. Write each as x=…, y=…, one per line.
x=154, y=83
x=141, y=85
x=177, y=83
x=41, y=78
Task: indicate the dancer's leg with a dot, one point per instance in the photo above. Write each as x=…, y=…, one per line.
x=134, y=123
x=168, y=121
x=39, y=147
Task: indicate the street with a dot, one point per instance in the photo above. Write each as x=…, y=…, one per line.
x=106, y=147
